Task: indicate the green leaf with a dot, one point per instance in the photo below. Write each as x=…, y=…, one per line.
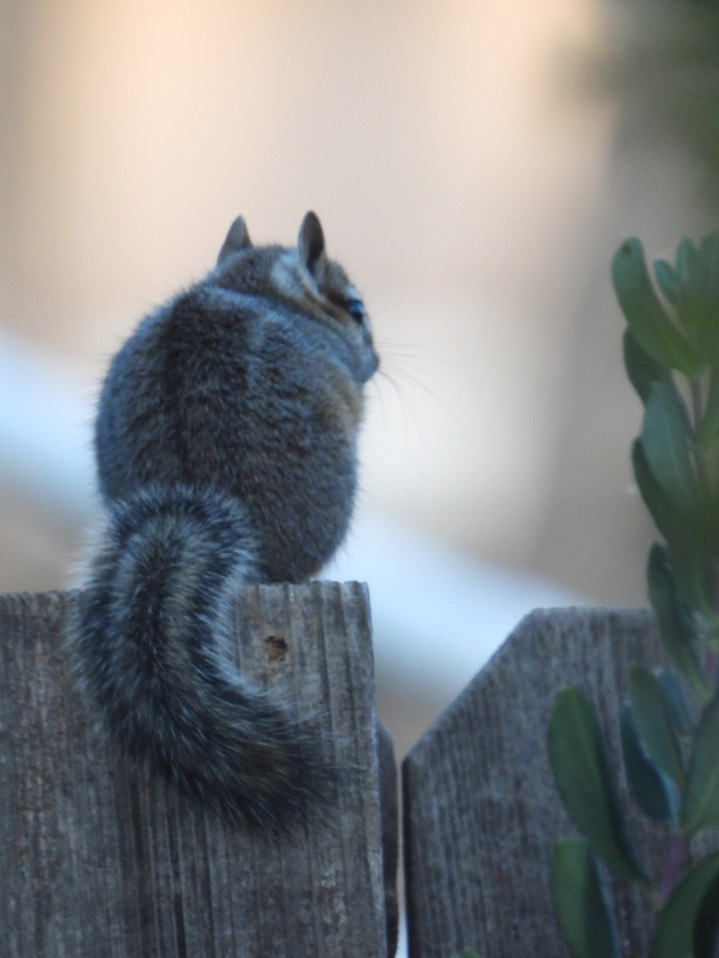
x=667, y=280
x=691, y=287
x=697, y=295
x=651, y=712
x=587, y=784
x=666, y=440
x=709, y=426
x=687, y=262
x=645, y=314
x=667, y=517
x=654, y=792
x=693, y=539
x=701, y=798
x=709, y=329
x=676, y=625
x=641, y=369
x=581, y=901
x=674, y=931
x=691, y=559
x=674, y=699
x=706, y=923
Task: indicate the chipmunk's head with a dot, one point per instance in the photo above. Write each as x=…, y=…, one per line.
x=304, y=277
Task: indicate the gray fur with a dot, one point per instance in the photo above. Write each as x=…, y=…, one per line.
x=226, y=448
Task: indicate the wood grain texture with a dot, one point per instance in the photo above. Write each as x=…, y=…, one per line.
x=481, y=810
x=98, y=861
x=389, y=805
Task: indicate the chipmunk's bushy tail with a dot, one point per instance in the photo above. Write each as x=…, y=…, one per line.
x=152, y=638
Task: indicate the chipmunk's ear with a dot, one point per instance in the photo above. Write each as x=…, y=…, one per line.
x=238, y=238
x=311, y=241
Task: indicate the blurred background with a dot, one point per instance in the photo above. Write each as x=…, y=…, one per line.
x=475, y=166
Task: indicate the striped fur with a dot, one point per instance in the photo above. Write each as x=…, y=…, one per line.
x=226, y=447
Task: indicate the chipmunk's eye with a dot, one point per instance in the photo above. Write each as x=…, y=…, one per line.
x=355, y=307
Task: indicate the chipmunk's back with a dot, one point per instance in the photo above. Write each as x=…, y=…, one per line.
x=251, y=382
x=226, y=444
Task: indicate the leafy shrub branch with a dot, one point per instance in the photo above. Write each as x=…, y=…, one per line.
x=669, y=725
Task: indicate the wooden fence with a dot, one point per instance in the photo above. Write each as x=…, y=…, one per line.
x=98, y=861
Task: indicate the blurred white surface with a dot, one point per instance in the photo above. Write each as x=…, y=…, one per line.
x=45, y=433
x=437, y=614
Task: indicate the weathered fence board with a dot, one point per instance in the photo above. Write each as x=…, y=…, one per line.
x=481, y=810
x=98, y=861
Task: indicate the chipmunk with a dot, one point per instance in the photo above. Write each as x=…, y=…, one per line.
x=226, y=447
